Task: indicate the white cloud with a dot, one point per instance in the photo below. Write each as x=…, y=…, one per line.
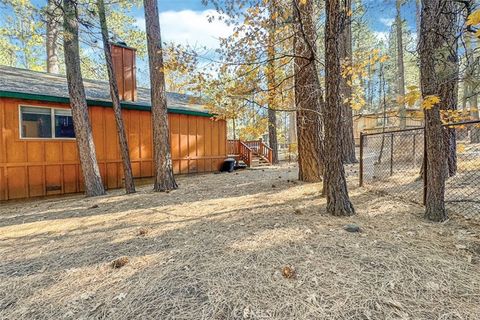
x=381, y=35
x=191, y=27
x=387, y=21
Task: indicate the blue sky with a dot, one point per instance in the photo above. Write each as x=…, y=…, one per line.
x=190, y=17
x=381, y=14
x=186, y=21
x=176, y=5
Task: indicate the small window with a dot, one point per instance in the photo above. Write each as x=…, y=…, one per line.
x=46, y=123
x=64, y=124
x=36, y=122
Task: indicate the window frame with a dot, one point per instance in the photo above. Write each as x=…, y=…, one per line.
x=52, y=115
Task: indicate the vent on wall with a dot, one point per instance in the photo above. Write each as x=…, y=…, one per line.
x=124, y=67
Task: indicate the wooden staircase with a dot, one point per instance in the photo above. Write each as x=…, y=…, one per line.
x=258, y=161
x=253, y=153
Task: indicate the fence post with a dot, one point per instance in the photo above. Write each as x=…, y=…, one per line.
x=360, y=178
x=391, y=154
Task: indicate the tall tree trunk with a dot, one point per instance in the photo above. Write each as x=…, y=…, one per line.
x=338, y=201
x=308, y=95
x=383, y=103
x=400, y=64
x=122, y=135
x=272, y=115
x=370, y=85
x=348, y=140
x=164, y=179
x=292, y=128
x=438, y=71
x=449, y=87
x=52, y=26
x=470, y=94
x=78, y=102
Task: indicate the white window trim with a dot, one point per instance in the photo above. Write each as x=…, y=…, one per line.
x=52, y=115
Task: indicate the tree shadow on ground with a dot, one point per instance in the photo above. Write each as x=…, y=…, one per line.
x=226, y=264
x=240, y=185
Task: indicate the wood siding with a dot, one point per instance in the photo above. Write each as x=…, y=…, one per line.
x=40, y=167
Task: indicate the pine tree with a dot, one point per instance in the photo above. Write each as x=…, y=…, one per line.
x=338, y=202
x=78, y=102
x=308, y=96
x=164, y=179
x=348, y=140
x=439, y=74
x=122, y=135
x=272, y=115
x=400, y=63
x=52, y=17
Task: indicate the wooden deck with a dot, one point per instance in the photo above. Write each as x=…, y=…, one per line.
x=253, y=153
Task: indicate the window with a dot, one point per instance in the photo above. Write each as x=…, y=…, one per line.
x=39, y=122
x=64, y=124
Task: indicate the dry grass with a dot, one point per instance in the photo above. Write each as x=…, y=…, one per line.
x=217, y=248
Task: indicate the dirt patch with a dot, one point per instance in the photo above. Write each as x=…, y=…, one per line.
x=217, y=248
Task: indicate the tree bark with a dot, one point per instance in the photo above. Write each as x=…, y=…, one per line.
x=52, y=30
x=164, y=179
x=348, y=140
x=418, y=17
x=292, y=128
x=470, y=95
x=272, y=115
x=308, y=96
x=400, y=64
x=78, y=103
x=338, y=202
x=438, y=72
x=122, y=135
x=383, y=103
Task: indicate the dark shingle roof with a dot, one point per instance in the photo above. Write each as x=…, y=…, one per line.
x=34, y=83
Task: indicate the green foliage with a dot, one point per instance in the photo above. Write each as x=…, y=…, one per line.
x=21, y=36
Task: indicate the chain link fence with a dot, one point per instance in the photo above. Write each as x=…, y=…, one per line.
x=392, y=162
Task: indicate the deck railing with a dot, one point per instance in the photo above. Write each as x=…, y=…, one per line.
x=254, y=145
x=233, y=147
x=265, y=152
x=245, y=153
x=246, y=149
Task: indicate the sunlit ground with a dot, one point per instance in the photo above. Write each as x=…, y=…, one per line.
x=215, y=249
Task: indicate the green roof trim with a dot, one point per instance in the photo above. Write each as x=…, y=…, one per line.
x=98, y=103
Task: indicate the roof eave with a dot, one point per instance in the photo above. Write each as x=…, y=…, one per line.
x=97, y=103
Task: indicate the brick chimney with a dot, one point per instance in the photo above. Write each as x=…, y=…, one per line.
x=125, y=70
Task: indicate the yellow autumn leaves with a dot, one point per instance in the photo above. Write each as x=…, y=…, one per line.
x=473, y=20
x=413, y=95
x=455, y=116
x=430, y=101
x=355, y=70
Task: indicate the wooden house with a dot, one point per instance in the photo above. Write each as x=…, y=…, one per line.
x=377, y=121
x=38, y=152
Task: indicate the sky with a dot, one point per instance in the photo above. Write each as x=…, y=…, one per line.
x=186, y=21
